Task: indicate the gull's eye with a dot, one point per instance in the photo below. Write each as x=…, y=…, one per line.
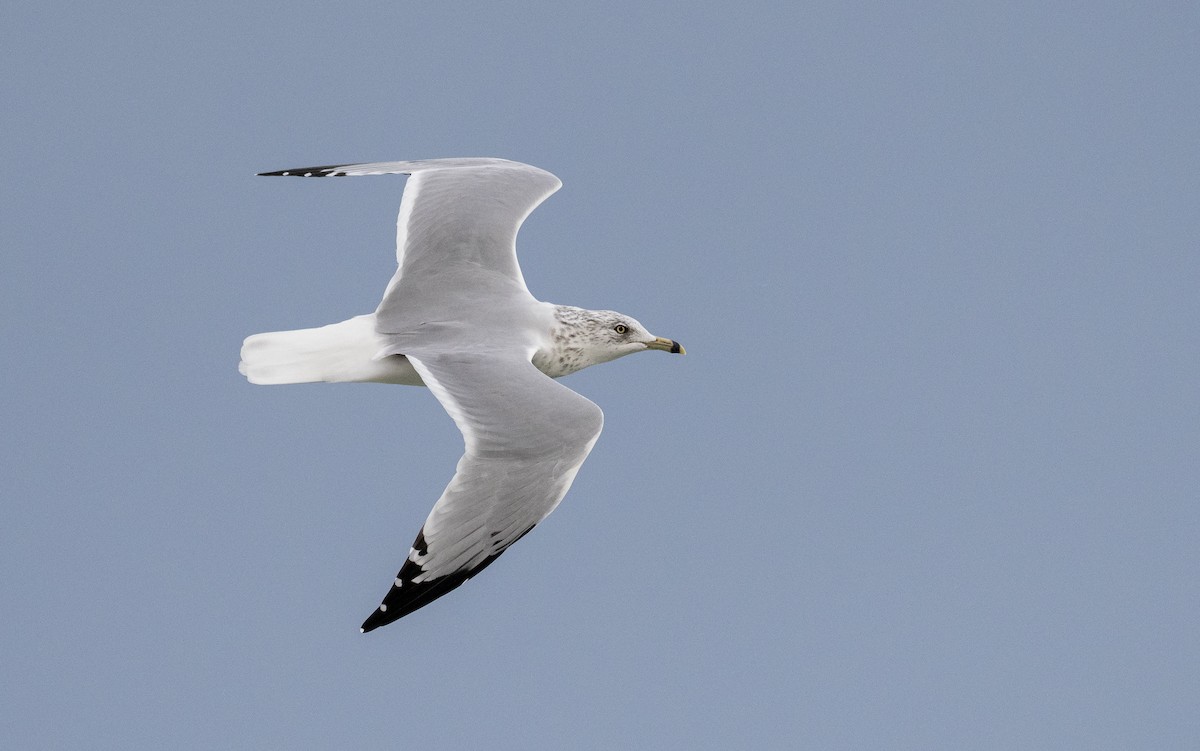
x=620, y=328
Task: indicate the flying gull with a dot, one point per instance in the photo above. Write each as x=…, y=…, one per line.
x=458, y=318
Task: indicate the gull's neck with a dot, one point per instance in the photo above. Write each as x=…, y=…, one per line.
x=565, y=349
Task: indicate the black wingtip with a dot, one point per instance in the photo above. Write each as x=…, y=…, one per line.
x=383, y=615
x=407, y=596
x=329, y=170
x=370, y=624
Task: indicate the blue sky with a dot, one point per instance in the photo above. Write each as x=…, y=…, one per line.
x=925, y=479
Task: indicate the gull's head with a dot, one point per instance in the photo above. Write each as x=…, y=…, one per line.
x=617, y=335
x=589, y=337
x=583, y=337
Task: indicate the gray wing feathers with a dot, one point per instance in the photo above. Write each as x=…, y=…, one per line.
x=471, y=215
x=526, y=437
x=456, y=231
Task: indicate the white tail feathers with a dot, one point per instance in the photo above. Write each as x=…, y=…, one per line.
x=339, y=352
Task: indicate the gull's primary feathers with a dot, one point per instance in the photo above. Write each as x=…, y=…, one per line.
x=458, y=318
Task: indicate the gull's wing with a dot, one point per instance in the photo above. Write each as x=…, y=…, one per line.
x=526, y=436
x=457, y=217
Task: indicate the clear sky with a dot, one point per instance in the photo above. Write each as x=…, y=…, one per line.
x=927, y=477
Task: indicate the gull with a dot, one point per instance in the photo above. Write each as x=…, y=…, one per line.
x=457, y=317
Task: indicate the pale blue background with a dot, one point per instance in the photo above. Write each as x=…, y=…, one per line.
x=927, y=477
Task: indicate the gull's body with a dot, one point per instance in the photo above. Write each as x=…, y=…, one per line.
x=458, y=318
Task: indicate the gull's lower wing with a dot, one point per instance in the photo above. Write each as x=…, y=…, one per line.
x=526, y=437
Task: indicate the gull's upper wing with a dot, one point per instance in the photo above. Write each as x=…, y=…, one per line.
x=526, y=436
x=458, y=217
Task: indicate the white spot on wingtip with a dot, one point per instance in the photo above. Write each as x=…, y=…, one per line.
x=383, y=608
x=287, y=173
x=308, y=174
x=398, y=582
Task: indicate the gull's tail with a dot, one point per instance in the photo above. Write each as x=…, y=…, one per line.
x=339, y=352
